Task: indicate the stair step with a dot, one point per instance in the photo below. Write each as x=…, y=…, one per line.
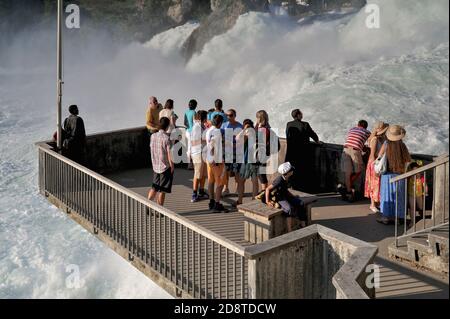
x=439, y=237
x=420, y=244
x=400, y=252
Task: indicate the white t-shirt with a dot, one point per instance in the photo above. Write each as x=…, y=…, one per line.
x=196, y=135
x=170, y=114
x=214, y=145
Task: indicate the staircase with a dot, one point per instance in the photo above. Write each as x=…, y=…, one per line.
x=428, y=250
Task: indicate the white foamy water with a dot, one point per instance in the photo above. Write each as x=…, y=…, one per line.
x=333, y=68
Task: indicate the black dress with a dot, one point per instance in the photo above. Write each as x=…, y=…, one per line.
x=300, y=152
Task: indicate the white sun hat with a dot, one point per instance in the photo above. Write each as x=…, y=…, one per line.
x=285, y=168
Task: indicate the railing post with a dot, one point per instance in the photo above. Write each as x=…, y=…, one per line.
x=129, y=222
x=396, y=214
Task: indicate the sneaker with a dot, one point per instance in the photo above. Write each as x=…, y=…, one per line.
x=212, y=204
x=195, y=198
x=351, y=196
x=342, y=191
x=219, y=208
x=203, y=195
x=226, y=193
x=383, y=220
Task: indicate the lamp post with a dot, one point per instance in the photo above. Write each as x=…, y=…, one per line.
x=59, y=63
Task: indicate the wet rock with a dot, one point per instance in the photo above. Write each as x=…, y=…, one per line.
x=180, y=11
x=223, y=17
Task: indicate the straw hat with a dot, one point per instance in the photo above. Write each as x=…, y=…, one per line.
x=381, y=128
x=395, y=133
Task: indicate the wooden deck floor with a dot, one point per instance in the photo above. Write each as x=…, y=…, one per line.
x=352, y=219
x=229, y=225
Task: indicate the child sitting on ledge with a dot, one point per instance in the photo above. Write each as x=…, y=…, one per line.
x=291, y=205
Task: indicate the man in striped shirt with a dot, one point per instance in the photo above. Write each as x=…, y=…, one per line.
x=352, y=163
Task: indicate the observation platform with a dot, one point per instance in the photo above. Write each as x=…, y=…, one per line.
x=397, y=280
x=194, y=253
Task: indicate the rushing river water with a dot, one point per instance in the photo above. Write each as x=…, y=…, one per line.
x=334, y=68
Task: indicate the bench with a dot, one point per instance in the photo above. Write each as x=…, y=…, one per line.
x=262, y=222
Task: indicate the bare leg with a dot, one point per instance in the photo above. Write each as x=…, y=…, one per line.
x=218, y=195
x=420, y=206
x=211, y=190
x=202, y=183
x=353, y=179
x=255, y=183
x=152, y=194
x=161, y=199
x=196, y=184
x=348, y=181
x=240, y=189
x=226, y=187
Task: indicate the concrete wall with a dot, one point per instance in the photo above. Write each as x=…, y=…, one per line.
x=118, y=150
x=320, y=264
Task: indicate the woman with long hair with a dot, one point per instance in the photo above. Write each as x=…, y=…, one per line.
x=248, y=169
x=262, y=128
x=397, y=160
x=372, y=184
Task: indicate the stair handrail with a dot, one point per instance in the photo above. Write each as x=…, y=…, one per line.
x=441, y=160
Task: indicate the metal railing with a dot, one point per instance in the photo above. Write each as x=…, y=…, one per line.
x=198, y=262
x=433, y=180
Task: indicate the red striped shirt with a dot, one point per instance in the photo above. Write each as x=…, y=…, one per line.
x=357, y=138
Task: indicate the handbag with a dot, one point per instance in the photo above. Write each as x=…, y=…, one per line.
x=380, y=165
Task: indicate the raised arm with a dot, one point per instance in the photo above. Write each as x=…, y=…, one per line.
x=313, y=134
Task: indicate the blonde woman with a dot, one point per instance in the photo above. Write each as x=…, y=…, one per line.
x=372, y=184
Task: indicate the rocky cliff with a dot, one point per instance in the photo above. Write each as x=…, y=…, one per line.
x=141, y=19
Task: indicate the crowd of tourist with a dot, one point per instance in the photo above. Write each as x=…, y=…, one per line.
x=221, y=150
x=378, y=156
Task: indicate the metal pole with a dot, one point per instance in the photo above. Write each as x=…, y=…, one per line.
x=59, y=73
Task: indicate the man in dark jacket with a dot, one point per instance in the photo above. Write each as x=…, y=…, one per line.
x=299, y=151
x=74, y=136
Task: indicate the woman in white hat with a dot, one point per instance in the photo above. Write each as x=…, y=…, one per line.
x=291, y=205
x=372, y=184
x=398, y=158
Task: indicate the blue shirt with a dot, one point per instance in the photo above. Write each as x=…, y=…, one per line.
x=189, y=120
x=230, y=149
x=229, y=125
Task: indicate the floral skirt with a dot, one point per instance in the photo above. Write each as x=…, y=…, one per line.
x=372, y=184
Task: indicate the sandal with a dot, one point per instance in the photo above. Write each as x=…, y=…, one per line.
x=374, y=209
